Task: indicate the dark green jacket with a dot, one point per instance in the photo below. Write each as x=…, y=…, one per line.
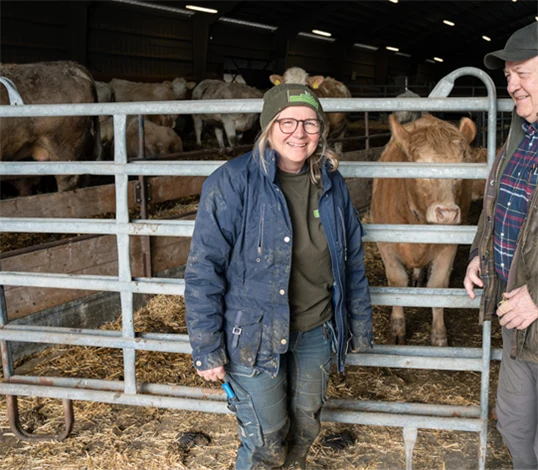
x=524, y=269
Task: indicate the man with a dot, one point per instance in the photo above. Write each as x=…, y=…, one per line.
x=504, y=254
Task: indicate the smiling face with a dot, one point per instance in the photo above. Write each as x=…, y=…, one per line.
x=293, y=149
x=522, y=78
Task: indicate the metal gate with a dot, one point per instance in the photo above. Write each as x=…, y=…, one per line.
x=409, y=416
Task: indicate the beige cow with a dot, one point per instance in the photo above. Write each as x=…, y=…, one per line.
x=105, y=93
x=126, y=91
x=422, y=201
x=158, y=140
x=323, y=87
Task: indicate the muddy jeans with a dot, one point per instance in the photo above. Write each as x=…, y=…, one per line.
x=279, y=417
x=517, y=395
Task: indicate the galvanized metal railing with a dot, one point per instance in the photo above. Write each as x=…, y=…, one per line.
x=410, y=416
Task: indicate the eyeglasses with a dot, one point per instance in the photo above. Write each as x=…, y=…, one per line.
x=289, y=125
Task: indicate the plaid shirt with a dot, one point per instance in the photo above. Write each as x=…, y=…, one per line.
x=516, y=186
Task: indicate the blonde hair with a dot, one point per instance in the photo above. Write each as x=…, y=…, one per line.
x=315, y=161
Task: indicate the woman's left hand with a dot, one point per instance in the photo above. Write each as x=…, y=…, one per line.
x=213, y=375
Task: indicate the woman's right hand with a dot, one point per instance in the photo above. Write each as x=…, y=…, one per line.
x=213, y=375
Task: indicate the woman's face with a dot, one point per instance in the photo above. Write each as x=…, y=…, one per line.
x=293, y=149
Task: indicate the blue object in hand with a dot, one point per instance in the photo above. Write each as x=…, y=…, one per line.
x=229, y=390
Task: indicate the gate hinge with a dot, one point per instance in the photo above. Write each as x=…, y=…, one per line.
x=138, y=192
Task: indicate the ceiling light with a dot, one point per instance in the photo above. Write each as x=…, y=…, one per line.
x=316, y=36
x=536, y=18
x=486, y=38
x=248, y=23
x=438, y=59
x=403, y=54
x=394, y=49
x=514, y=1
x=202, y=9
x=449, y=23
x=394, y=1
x=366, y=46
x=156, y=7
x=322, y=33
x=430, y=61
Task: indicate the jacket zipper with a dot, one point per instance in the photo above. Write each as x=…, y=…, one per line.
x=343, y=232
x=260, y=236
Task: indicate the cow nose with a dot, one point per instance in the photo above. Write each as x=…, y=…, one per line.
x=447, y=215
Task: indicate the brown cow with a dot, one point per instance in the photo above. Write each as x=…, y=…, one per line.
x=231, y=123
x=60, y=138
x=323, y=87
x=158, y=140
x=422, y=201
x=126, y=91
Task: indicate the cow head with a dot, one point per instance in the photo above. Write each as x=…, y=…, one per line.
x=431, y=140
x=292, y=75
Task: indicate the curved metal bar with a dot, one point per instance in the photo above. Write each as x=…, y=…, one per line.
x=24, y=435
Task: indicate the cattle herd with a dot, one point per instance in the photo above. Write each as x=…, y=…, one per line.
x=400, y=201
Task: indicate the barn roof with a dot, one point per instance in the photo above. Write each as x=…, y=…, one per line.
x=416, y=28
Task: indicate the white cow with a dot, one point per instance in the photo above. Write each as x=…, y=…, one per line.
x=231, y=123
x=125, y=91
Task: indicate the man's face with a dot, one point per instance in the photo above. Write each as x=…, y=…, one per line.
x=522, y=78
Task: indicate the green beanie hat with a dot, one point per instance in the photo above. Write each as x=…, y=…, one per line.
x=288, y=94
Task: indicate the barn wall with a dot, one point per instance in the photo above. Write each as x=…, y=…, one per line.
x=234, y=49
x=35, y=31
x=125, y=41
x=138, y=44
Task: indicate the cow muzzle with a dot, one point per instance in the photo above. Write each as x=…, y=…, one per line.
x=443, y=214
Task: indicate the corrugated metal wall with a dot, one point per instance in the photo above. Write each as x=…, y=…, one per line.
x=139, y=45
x=116, y=40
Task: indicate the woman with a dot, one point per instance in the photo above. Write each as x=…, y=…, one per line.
x=275, y=279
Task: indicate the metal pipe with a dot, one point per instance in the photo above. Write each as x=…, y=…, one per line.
x=205, y=168
x=250, y=106
x=216, y=406
x=183, y=228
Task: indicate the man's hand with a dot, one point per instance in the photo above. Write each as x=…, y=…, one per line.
x=518, y=310
x=472, y=277
x=213, y=375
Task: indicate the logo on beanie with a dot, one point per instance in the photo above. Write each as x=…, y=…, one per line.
x=303, y=98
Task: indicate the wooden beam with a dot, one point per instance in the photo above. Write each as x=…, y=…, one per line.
x=89, y=202
x=93, y=256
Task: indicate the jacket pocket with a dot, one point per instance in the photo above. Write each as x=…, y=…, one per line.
x=247, y=417
x=243, y=335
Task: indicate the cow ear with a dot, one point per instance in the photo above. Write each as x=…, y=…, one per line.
x=468, y=129
x=191, y=85
x=276, y=79
x=399, y=133
x=315, y=82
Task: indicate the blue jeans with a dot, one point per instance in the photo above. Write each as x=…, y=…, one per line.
x=279, y=417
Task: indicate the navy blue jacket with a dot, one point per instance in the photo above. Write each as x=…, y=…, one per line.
x=238, y=271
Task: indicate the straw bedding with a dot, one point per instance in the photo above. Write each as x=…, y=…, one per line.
x=124, y=437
